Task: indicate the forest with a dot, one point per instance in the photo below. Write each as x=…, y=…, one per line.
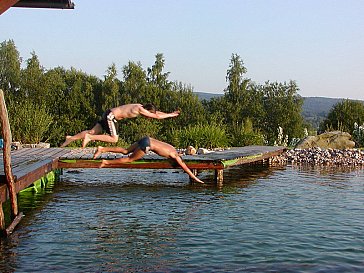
x=45, y=105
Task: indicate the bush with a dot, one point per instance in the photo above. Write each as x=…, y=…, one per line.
x=244, y=135
x=200, y=136
x=29, y=122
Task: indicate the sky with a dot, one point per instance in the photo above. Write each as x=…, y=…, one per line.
x=317, y=43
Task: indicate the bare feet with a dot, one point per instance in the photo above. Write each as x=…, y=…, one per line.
x=68, y=141
x=103, y=163
x=98, y=152
x=86, y=140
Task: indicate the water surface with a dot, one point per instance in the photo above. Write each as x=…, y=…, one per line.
x=263, y=219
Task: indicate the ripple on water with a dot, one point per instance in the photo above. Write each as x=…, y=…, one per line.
x=290, y=219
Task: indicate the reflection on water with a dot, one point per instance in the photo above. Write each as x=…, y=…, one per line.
x=276, y=219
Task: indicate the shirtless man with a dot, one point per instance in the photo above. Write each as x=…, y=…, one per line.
x=109, y=119
x=140, y=148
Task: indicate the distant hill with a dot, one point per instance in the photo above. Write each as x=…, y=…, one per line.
x=314, y=109
x=207, y=96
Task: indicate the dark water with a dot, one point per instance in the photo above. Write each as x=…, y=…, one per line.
x=283, y=219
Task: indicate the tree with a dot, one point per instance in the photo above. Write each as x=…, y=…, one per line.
x=110, y=96
x=283, y=107
x=10, y=63
x=343, y=116
x=32, y=80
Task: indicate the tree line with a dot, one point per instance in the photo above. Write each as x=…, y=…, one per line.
x=45, y=105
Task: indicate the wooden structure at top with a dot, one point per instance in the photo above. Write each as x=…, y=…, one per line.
x=48, y=4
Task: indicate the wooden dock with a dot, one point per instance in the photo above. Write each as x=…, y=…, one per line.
x=25, y=166
x=31, y=164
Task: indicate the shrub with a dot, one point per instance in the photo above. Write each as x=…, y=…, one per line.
x=29, y=122
x=244, y=135
x=201, y=135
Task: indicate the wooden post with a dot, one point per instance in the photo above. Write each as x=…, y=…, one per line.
x=194, y=171
x=6, y=132
x=2, y=218
x=219, y=177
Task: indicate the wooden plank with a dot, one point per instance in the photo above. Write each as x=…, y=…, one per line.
x=162, y=164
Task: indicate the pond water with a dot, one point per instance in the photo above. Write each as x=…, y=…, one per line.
x=263, y=219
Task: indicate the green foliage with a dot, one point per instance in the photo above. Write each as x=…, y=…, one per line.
x=343, y=116
x=29, y=122
x=134, y=129
x=358, y=135
x=201, y=136
x=283, y=108
x=243, y=135
x=60, y=102
x=10, y=62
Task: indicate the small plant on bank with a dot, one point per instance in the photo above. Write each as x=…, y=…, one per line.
x=280, y=140
x=358, y=134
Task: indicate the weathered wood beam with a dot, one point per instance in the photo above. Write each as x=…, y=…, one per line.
x=6, y=4
x=9, y=230
x=219, y=177
x=2, y=218
x=79, y=163
x=6, y=132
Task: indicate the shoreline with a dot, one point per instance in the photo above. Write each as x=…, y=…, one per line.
x=322, y=157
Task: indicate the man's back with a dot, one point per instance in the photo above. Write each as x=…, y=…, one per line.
x=127, y=111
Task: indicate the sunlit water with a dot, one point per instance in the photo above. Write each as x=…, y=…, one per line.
x=264, y=219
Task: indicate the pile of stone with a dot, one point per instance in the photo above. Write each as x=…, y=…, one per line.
x=319, y=156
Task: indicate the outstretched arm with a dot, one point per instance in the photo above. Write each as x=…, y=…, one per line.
x=186, y=169
x=158, y=114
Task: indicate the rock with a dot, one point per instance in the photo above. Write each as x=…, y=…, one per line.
x=330, y=140
x=202, y=151
x=190, y=150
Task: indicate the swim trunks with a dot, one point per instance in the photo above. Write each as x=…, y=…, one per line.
x=144, y=144
x=108, y=123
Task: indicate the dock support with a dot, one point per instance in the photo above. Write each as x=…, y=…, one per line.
x=194, y=171
x=2, y=218
x=6, y=133
x=219, y=177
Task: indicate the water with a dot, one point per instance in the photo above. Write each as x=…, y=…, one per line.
x=283, y=219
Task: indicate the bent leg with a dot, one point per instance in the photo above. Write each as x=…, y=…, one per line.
x=102, y=149
x=95, y=130
x=137, y=154
x=105, y=138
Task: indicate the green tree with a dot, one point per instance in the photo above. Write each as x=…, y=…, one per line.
x=236, y=97
x=134, y=84
x=110, y=96
x=10, y=63
x=283, y=107
x=32, y=80
x=343, y=116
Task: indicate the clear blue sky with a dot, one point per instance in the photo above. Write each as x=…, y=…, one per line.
x=317, y=43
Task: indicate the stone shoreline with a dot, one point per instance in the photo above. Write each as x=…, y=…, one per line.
x=318, y=156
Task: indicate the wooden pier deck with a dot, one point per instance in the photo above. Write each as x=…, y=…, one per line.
x=31, y=164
